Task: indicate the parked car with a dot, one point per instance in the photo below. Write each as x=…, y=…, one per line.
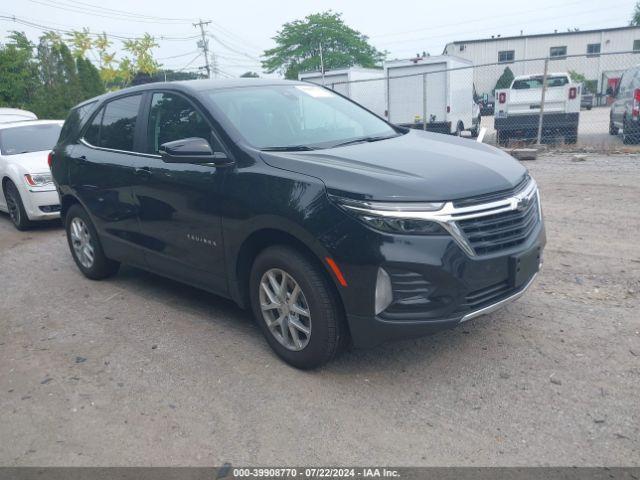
x=15, y=115
x=28, y=193
x=487, y=104
x=586, y=100
x=625, y=108
x=518, y=108
x=333, y=225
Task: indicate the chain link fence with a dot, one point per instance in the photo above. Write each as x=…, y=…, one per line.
x=591, y=110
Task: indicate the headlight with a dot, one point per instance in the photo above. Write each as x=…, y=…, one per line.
x=38, y=179
x=393, y=217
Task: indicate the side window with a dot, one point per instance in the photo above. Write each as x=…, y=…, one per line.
x=73, y=123
x=92, y=135
x=172, y=117
x=119, y=123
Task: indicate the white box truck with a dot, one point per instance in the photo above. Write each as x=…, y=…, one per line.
x=446, y=96
x=365, y=86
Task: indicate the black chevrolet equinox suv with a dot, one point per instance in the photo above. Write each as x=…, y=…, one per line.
x=332, y=225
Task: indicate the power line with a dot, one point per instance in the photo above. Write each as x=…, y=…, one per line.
x=235, y=50
x=46, y=28
x=120, y=16
x=122, y=12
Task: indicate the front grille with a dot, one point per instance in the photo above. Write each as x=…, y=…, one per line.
x=500, y=231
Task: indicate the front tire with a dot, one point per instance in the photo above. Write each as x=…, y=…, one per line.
x=17, y=213
x=85, y=245
x=613, y=130
x=296, y=308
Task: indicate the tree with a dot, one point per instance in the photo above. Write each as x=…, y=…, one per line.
x=249, y=75
x=635, y=19
x=300, y=44
x=18, y=72
x=89, y=77
x=505, y=79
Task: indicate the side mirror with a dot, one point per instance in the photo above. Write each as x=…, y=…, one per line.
x=191, y=150
x=609, y=91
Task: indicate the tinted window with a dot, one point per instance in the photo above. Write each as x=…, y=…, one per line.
x=636, y=45
x=172, y=117
x=29, y=138
x=119, y=123
x=296, y=115
x=75, y=120
x=92, y=135
x=536, y=82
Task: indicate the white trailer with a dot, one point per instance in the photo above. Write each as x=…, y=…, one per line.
x=435, y=93
x=365, y=86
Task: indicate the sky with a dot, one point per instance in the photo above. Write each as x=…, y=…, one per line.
x=242, y=29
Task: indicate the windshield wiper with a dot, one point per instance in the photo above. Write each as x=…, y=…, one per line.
x=288, y=148
x=364, y=139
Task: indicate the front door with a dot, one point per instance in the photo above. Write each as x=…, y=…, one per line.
x=179, y=203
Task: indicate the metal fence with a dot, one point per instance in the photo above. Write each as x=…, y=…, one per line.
x=462, y=100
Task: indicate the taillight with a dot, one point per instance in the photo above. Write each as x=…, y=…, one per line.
x=636, y=94
x=572, y=93
x=50, y=159
x=448, y=109
x=502, y=97
x=635, y=112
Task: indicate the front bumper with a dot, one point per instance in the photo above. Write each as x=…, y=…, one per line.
x=551, y=122
x=436, y=283
x=41, y=204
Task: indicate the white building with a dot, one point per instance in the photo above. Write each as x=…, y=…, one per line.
x=522, y=54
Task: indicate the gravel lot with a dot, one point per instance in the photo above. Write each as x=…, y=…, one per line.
x=140, y=370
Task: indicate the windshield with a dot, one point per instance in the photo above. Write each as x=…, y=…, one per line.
x=536, y=82
x=28, y=138
x=297, y=117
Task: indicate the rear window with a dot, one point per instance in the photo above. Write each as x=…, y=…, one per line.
x=29, y=138
x=536, y=82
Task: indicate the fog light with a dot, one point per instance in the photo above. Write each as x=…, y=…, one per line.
x=384, y=294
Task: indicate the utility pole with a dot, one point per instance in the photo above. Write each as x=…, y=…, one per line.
x=321, y=63
x=204, y=45
x=544, y=93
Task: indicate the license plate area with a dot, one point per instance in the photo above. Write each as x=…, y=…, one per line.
x=523, y=266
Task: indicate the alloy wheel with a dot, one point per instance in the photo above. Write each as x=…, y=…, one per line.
x=81, y=241
x=285, y=309
x=12, y=206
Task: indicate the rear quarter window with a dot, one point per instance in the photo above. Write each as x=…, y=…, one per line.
x=75, y=121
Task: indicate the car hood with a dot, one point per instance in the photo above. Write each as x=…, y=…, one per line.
x=417, y=166
x=32, y=162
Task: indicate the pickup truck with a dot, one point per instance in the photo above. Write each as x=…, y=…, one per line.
x=517, y=109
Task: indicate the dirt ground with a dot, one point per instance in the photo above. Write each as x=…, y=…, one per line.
x=140, y=370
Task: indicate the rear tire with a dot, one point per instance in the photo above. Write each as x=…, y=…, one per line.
x=613, y=130
x=629, y=138
x=17, y=213
x=502, y=138
x=571, y=136
x=85, y=246
x=303, y=341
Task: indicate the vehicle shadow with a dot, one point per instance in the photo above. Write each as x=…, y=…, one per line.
x=42, y=225
x=392, y=356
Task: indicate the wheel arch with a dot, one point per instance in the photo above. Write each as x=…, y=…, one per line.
x=264, y=238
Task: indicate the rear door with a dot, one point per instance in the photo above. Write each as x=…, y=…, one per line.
x=102, y=172
x=179, y=204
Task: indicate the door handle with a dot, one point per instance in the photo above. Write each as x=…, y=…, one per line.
x=143, y=171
